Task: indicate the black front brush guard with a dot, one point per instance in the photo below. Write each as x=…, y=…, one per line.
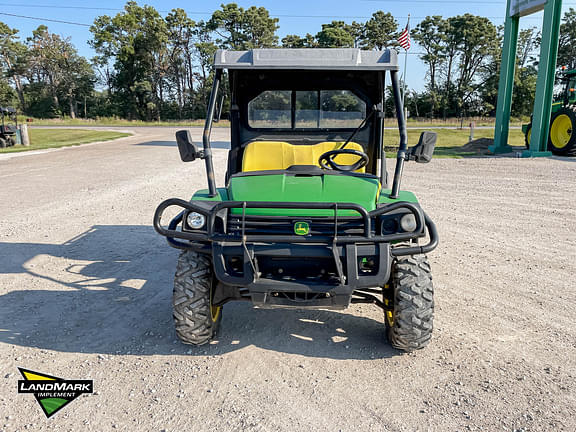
x=212, y=210
x=344, y=250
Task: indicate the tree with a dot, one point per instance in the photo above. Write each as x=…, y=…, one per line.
x=566, y=45
x=337, y=34
x=204, y=51
x=526, y=72
x=477, y=42
x=57, y=70
x=524, y=78
x=295, y=41
x=242, y=29
x=135, y=40
x=181, y=35
x=380, y=31
x=462, y=55
x=7, y=94
x=429, y=35
x=13, y=57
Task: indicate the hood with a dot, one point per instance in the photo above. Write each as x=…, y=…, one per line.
x=361, y=190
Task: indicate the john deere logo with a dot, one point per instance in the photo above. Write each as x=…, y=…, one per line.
x=302, y=228
x=52, y=393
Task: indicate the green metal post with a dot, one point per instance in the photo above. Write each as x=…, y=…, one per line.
x=545, y=83
x=506, y=85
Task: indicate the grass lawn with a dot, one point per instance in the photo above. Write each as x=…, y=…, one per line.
x=450, y=141
x=52, y=138
x=109, y=121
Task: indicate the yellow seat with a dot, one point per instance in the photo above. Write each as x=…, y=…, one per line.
x=280, y=155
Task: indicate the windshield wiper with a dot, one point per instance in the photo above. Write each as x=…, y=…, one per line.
x=355, y=131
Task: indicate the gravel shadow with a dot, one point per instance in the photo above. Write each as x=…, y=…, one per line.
x=108, y=291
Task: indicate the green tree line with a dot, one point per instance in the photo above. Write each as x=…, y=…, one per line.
x=153, y=67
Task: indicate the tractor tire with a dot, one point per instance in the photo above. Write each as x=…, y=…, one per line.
x=528, y=135
x=410, y=320
x=2, y=143
x=562, y=138
x=195, y=319
x=11, y=142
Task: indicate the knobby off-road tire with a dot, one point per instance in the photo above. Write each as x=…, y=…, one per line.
x=195, y=319
x=409, y=327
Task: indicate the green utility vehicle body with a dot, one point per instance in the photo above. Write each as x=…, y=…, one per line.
x=300, y=190
x=306, y=217
x=562, y=134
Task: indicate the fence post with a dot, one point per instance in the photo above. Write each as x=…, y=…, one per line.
x=24, y=134
x=472, y=126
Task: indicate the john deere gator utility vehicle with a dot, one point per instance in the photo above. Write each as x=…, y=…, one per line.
x=8, y=127
x=305, y=219
x=562, y=135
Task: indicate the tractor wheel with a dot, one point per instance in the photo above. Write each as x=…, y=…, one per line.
x=411, y=297
x=562, y=139
x=195, y=318
x=2, y=143
x=11, y=142
x=528, y=136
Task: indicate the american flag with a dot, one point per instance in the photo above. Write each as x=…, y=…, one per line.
x=404, y=38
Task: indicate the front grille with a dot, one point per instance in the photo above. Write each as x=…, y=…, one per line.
x=274, y=225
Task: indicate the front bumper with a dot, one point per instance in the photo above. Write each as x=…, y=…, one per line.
x=344, y=253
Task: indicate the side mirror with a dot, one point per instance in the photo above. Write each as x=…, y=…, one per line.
x=188, y=150
x=423, y=151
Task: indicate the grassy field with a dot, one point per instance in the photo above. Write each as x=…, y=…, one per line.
x=450, y=141
x=465, y=123
x=110, y=121
x=52, y=138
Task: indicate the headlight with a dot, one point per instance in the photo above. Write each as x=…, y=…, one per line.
x=195, y=220
x=408, y=223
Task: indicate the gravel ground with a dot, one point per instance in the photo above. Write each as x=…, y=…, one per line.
x=85, y=288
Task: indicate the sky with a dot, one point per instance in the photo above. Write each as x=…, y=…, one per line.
x=296, y=17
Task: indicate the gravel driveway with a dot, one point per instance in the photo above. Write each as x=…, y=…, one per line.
x=85, y=289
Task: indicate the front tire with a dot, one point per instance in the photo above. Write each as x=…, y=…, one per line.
x=195, y=318
x=409, y=320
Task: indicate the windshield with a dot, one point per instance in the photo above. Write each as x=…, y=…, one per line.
x=306, y=109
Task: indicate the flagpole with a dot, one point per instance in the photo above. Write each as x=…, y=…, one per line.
x=405, y=68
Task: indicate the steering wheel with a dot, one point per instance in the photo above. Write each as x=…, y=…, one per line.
x=326, y=161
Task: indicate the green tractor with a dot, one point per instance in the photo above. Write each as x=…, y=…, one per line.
x=8, y=127
x=562, y=135
x=306, y=218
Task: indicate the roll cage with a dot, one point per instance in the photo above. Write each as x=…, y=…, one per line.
x=362, y=72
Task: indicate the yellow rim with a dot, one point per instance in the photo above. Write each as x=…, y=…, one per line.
x=528, y=136
x=214, y=310
x=389, y=314
x=390, y=318
x=561, y=131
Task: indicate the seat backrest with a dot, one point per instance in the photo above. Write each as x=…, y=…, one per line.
x=280, y=155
